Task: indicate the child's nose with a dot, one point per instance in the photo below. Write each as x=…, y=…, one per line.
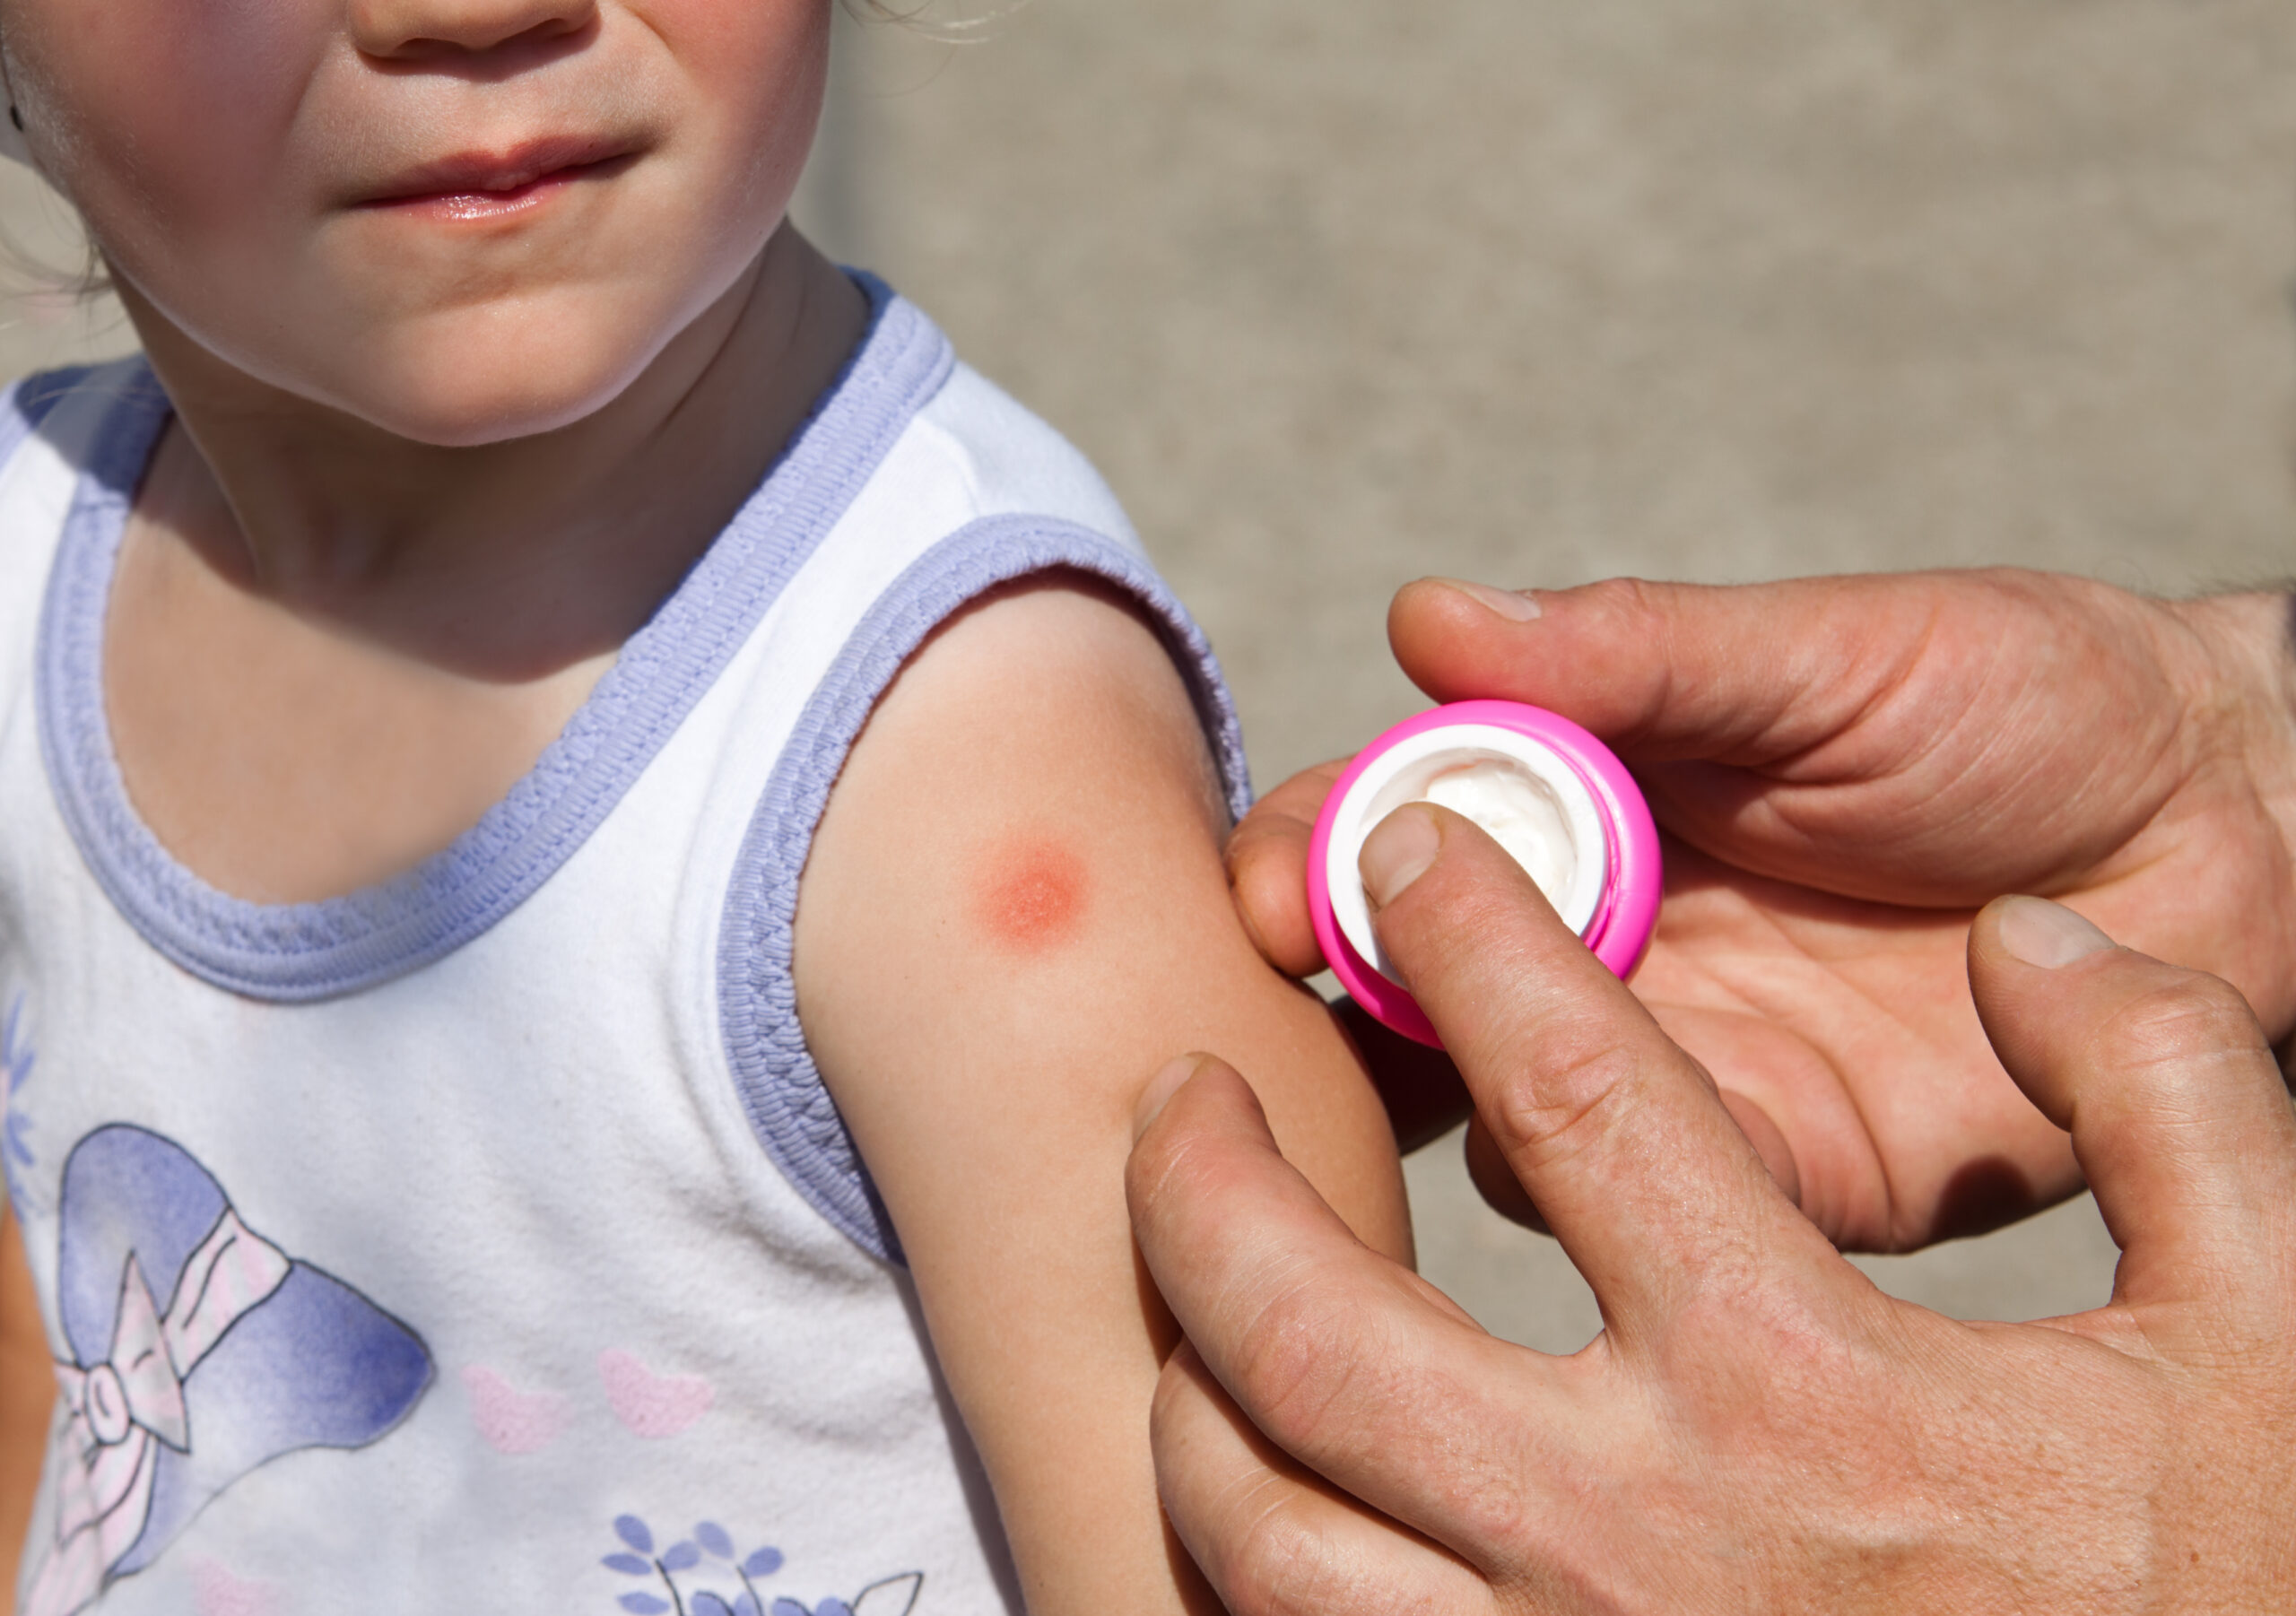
x=416, y=27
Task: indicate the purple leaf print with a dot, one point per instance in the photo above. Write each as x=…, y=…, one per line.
x=645, y=1555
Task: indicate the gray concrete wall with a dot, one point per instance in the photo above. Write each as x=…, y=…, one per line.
x=49, y=314
x=1340, y=293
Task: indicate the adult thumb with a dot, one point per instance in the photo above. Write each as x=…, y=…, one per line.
x=2178, y=1113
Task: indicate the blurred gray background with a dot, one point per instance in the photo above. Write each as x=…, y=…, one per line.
x=1341, y=292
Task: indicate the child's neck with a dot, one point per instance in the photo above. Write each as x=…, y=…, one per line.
x=330, y=651
x=508, y=561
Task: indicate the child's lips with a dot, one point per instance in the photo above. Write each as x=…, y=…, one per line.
x=473, y=185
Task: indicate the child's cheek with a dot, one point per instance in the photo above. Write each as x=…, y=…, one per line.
x=756, y=65
x=183, y=105
x=734, y=36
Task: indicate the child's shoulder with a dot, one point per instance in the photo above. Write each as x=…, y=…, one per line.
x=960, y=449
x=1014, y=459
x=55, y=425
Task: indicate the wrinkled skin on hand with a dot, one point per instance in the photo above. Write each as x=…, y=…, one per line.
x=1757, y=1429
x=1846, y=768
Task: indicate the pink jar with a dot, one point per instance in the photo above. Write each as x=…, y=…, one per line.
x=1554, y=797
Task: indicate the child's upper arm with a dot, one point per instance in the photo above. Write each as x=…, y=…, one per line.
x=27, y=1395
x=1014, y=912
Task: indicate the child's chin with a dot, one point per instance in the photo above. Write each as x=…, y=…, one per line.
x=474, y=424
x=486, y=398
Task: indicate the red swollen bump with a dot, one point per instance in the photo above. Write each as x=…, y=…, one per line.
x=1031, y=894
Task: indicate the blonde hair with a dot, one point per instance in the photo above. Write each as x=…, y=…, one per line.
x=951, y=31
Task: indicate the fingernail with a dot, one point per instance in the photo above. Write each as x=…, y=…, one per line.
x=1160, y=1091
x=1397, y=853
x=1514, y=606
x=2048, y=934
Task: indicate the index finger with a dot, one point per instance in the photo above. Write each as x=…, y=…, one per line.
x=1619, y=1136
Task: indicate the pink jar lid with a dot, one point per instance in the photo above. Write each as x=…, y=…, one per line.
x=1574, y=817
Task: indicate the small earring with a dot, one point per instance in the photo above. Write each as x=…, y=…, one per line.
x=15, y=117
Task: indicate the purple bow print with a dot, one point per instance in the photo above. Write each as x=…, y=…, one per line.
x=289, y=1356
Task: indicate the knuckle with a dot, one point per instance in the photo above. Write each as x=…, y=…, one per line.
x=2193, y=1015
x=1297, y=1362
x=1568, y=1101
x=1171, y=1174
x=1628, y=600
x=1282, y=1563
x=1255, y=1535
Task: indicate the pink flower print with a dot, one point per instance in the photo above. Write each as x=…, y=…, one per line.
x=217, y=1591
x=650, y=1404
x=512, y=1421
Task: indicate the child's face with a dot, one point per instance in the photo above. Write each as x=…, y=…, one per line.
x=315, y=191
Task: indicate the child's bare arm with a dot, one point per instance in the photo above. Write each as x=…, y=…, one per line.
x=27, y=1395
x=1014, y=915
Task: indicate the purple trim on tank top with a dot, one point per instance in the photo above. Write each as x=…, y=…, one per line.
x=779, y=1086
x=304, y=952
x=31, y=401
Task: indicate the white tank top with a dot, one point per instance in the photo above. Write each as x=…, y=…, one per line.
x=486, y=1240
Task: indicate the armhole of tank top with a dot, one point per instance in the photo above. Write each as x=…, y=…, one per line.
x=776, y=1081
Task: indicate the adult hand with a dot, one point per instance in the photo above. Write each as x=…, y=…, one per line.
x=1757, y=1429
x=1846, y=767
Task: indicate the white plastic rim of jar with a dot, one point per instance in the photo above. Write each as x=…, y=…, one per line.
x=1404, y=773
